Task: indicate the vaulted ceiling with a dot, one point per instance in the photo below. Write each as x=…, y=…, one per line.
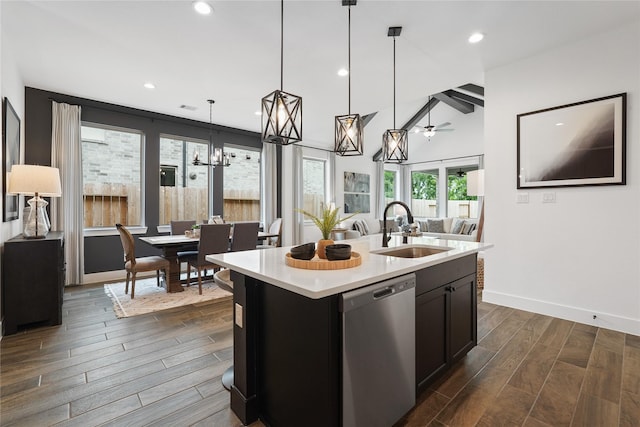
x=106, y=50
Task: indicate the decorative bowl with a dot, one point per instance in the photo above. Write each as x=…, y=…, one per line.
x=306, y=251
x=338, y=252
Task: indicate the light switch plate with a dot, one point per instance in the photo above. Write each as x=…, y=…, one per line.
x=548, y=197
x=522, y=198
x=238, y=316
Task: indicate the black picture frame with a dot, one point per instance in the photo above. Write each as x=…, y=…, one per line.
x=11, y=150
x=577, y=144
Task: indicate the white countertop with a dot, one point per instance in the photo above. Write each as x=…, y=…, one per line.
x=268, y=265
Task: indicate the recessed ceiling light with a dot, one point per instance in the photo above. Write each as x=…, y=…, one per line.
x=149, y=85
x=343, y=72
x=559, y=124
x=258, y=113
x=202, y=7
x=475, y=37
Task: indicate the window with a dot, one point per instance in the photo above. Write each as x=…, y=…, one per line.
x=458, y=203
x=424, y=193
x=314, y=186
x=390, y=185
x=111, y=175
x=242, y=185
x=184, y=188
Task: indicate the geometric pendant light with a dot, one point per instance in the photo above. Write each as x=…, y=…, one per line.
x=281, y=111
x=349, y=130
x=395, y=142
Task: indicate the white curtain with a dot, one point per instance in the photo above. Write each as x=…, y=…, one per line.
x=405, y=184
x=67, y=211
x=269, y=184
x=380, y=200
x=298, y=196
x=331, y=190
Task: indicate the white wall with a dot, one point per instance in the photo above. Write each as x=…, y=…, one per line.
x=580, y=256
x=12, y=87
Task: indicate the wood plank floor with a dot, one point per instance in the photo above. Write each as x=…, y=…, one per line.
x=164, y=369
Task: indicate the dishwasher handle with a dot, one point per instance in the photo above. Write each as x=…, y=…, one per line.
x=383, y=293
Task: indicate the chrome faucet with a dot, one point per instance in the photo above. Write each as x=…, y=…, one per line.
x=385, y=238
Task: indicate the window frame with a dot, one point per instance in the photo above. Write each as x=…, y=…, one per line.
x=185, y=139
x=140, y=228
x=229, y=147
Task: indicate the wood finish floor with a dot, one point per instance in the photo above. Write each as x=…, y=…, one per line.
x=164, y=369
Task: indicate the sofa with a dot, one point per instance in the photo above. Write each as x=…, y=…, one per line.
x=450, y=228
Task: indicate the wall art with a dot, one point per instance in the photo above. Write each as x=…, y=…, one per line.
x=583, y=143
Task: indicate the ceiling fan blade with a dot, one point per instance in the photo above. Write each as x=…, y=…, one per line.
x=444, y=124
x=443, y=130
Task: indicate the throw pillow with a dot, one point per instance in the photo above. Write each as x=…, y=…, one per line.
x=423, y=226
x=361, y=227
x=435, y=225
x=457, y=227
x=472, y=228
x=467, y=228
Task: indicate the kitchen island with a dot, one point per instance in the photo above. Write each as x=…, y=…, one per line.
x=288, y=327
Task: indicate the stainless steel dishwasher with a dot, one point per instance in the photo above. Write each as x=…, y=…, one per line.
x=379, y=355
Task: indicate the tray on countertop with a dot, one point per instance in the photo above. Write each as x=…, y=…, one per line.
x=316, y=263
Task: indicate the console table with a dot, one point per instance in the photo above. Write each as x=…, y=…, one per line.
x=33, y=281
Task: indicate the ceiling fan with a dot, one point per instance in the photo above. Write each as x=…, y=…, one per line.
x=431, y=130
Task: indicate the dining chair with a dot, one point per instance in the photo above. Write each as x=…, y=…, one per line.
x=214, y=239
x=133, y=265
x=178, y=228
x=245, y=236
x=273, y=242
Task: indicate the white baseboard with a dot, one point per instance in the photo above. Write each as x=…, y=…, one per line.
x=574, y=314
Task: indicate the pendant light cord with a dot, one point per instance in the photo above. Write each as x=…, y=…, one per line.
x=211, y=102
x=349, y=62
x=281, y=44
x=394, y=82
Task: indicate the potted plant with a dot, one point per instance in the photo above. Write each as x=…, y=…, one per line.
x=326, y=222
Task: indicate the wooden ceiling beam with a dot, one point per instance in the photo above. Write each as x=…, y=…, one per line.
x=462, y=106
x=464, y=97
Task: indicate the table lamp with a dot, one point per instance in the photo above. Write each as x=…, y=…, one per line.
x=35, y=181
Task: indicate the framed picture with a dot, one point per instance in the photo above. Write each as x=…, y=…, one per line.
x=356, y=193
x=576, y=144
x=11, y=150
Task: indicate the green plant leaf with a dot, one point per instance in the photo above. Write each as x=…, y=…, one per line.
x=327, y=221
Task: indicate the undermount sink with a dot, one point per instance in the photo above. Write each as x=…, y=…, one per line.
x=411, y=251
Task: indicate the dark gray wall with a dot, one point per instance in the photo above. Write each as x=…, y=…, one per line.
x=105, y=253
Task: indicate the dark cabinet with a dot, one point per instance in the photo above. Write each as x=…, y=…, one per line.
x=431, y=336
x=33, y=281
x=446, y=317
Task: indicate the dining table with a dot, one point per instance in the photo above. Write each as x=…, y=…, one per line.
x=172, y=244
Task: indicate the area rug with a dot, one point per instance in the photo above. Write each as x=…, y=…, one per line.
x=150, y=298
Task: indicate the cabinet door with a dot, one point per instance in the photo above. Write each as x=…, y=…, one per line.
x=431, y=337
x=462, y=316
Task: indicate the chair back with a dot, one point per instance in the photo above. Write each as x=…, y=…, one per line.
x=179, y=227
x=128, y=244
x=214, y=239
x=275, y=228
x=245, y=236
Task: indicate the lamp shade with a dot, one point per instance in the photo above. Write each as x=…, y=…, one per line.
x=32, y=179
x=475, y=183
